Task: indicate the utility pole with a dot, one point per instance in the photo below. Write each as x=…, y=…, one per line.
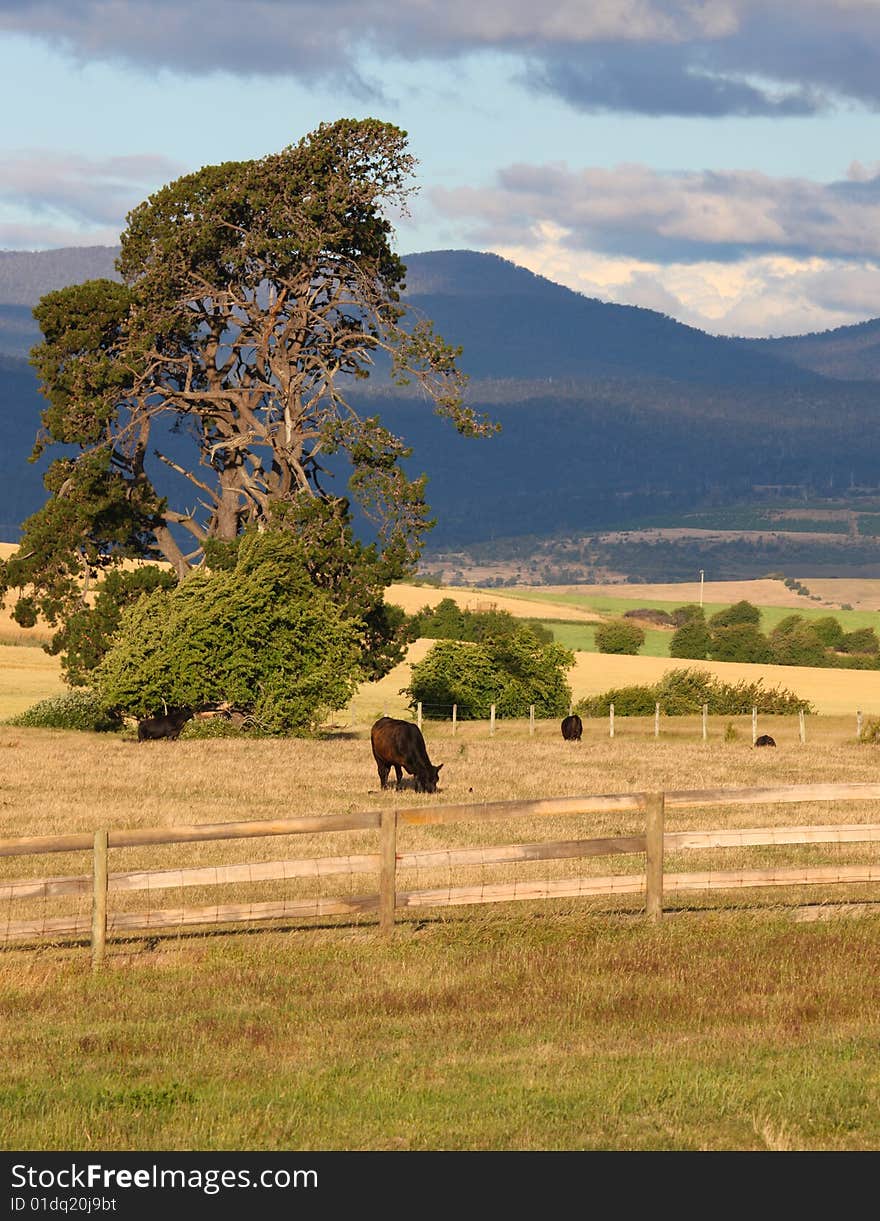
x=702, y=574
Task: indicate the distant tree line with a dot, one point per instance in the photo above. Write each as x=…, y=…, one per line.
x=448, y=621
x=734, y=634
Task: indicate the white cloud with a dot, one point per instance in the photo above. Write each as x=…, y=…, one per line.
x=50, y=198
x=683, y=216
x=765, y=295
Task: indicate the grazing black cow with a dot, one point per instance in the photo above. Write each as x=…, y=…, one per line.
x=764, y=740
x=169, y=725
x=399, y=744
x=572, y=728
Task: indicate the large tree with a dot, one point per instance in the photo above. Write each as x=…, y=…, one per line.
x=254, y=295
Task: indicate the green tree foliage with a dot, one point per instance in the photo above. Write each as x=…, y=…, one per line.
x=684, y=692
x=795, y=642
x=88, y=633
x=740, y=642
x=618, y=636
x=448, y=621
x=733, y=616
x=684, y=614
x=259, y=636
x=692, y=637
x=511, y=672
x=256, y=297
x=862, y=640
x=828, y=630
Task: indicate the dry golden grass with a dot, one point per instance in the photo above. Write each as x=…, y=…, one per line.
x=758, y=592
x=569, y=1024
x=412, y=598
x=26, y=676
x=832, y=692
x=861, y=593
x=57, y=782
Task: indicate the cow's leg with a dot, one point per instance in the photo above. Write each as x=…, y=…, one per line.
x=399, y=772
x=384, y=769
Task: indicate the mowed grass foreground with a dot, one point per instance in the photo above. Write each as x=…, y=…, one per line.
x=736, y=1023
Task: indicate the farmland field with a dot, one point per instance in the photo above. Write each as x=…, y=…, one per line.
x=744, y=1021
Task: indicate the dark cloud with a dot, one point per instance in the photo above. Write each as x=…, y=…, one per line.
x=641, y=213
x=663, y=57
x=660, y=80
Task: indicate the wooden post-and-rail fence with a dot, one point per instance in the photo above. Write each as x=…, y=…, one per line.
x=653, y=843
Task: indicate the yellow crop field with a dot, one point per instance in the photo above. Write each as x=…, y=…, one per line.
x=26, y=676
x=832, y=692
x=413, y=598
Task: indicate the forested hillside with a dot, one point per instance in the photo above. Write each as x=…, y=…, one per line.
x=610, y=414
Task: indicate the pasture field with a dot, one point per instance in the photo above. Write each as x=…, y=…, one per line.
x=611, y=605
x=744, y=1021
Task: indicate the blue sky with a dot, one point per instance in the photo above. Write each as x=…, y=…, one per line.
x=717, y=160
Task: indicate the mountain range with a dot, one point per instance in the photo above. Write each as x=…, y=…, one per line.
x=608, y=412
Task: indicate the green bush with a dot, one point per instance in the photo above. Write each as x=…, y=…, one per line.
x=618, y=636
x=736, y=615
x=447, y=621
x=862, y=640
x=627, y=701
x=512, y=673
x=794, y=642
x=691, y=640
x=73, y=710
x=258, y=636
x=212, y=727
x=828, y=630
x=740, y=642
x=684, y=614
x=87, y=634
x=683, y=692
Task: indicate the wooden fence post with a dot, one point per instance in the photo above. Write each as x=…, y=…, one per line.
x=419, y=712
x=654, y=817
x=802, y=729
x=99, y=898
x=531, y=718
x=754, y=726
x=454, y=716
x=610, y=720
x=858, y=724
x=491, y=720
x=705, y=722
x=387, y=871
x=656, y=720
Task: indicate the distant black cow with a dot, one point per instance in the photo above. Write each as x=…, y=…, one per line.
x=399, y=744
x=167, y=726
x=764, y=740
x=572, y=728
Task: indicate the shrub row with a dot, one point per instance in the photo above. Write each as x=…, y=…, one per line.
x=684, y=692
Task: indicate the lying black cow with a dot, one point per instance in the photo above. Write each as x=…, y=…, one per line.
x=399, y=744
x=168, y=725
x=764, y=740
x=572, y=728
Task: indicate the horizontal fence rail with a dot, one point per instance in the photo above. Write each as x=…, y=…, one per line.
x=653, y=844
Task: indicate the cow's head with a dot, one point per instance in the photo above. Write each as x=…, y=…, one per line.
x=429, y=779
